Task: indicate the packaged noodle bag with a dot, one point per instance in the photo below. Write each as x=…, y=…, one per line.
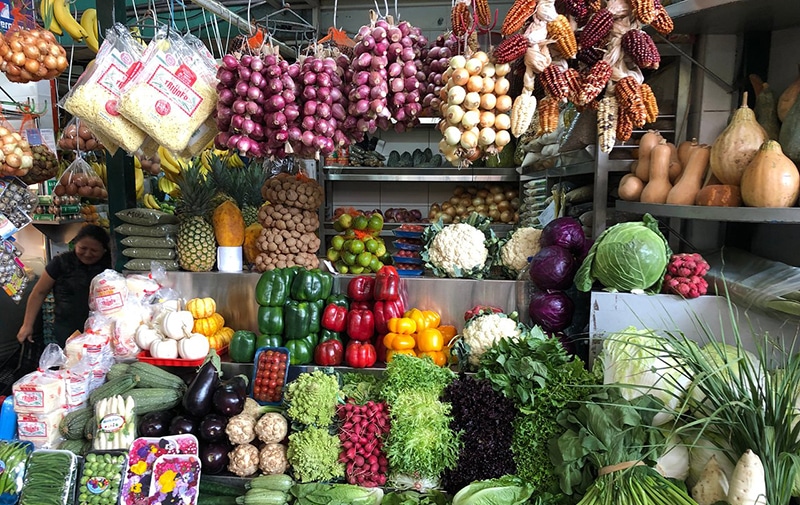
x=44, y=389
x=171, y=92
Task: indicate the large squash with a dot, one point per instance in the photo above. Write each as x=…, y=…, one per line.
x=771, y=179
x=228, y=225
x=250, y=248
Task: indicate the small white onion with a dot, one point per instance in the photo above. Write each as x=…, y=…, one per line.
x=503, y=103
x=473, y=66
x=469, y=140
x=501, y=86
x=502, y=69
x=487, y=119
x=502, y=122
x=470, y=119
x=447, y=149
x=488, y=70
x=472, y=101
x=452, y=135
x=488, y=101
x=488, y=85
x=457, y=61
x=502, y=138
x=456, y=95
x=454, y=114
x=486, y=137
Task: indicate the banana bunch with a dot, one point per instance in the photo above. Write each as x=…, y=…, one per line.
x=46, y=11
x=63, y=21
x=101, y=170
x=89, y=23
x=151, y=202
x=139, y=178
x=168, y=186
x=171, y=165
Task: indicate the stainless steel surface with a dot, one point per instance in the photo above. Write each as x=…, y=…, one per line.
x=234, y=293
x=737, y=214
x=733, y=16
x=600, y=196
x=365, y=174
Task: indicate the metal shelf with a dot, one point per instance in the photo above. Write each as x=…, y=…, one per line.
x=732, y=214
x=441, y=174
x=733, y=16
x=500, y=229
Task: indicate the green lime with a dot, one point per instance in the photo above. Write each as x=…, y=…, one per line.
x=345, y=221
x=349, y=233
x=337, y=226
x=360, y=222
x=356, y=269
x=375, y=264
x=348, y=258
x=372, y=245
x=381, y=251
x=342, y=268
x=337, y=241
x=332, y=254
x=356, y=247
x=375, y=223
x=364, y=258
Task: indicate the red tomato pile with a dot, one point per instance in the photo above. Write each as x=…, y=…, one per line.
x=270, y=376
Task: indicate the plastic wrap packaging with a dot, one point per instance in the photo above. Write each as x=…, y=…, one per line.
x=157, y=242
x=51, y=477
x=158, y=231
x=755, y=282
x=108, y=293
x=95, y=97
x=125, y=324
x=44, y=389
x=141, y=287
x=172, y=93
x=80, y=179
x=89, y=357
x=116, y=423
x=14, y=455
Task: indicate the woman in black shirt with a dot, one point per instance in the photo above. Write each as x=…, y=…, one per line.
x=69, y=275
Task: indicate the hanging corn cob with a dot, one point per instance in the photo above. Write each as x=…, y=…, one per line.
x=561, y=32
x=624, y=126
x=607, y=123
x=662, y=23
x=554, y=82
x=522, y=113
x=577, y=9
x=650, y=104
x=483, y=12
x=597, y=28
x=629, y=97
x=511, y=48
x=519, y=12
x=594, y=82
x=644, y=10
x=548, y=115
x=641, y=49
x=574, y=83
x=461, y=18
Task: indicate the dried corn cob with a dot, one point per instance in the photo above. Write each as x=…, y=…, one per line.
x=597, y=28
x=641, y=49
x=472, y=42
x=624, y=127
x=519, y=12
x=560, y=30
x=461, y=19
x=662, y=23
x=593, y=5
x=629, y=98
x=607, y=114
x=590, y=55
x=650, y=103
x=483, y=12
x=555, y=82
x=576, y=9
x=594, y=82
x=548, y=115
x=644, y=10
x=511, y=48
x=522, y=113
x=575, y=84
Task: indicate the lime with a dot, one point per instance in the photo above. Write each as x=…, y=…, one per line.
x=356, y=246
x=360, y=222
x=372, y=245
x=342, y=268
x=381, y=251
x=356, y=269
x=375, y=223
x=375, y=264
x=349, y=233
x=364, y=258
x=337, y=241
x=338, y=226
x=345, y=221
x=348, y=258
x=346, y=245
x=332, y=254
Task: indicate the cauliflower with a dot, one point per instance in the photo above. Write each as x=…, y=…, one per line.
x=458, y=247
x=484, y=331
x=272, y=428
x=523, y=244
x=272, y=459
x=241, y=429
x=243, y=460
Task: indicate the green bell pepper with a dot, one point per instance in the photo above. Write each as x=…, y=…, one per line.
x=307, y=286
x=269, y=341
x=312, y=339
x=242, y=348
x=327, y=284
x=301, y=352
x=315, y=315
x=273, y=287
x=270, y=320
x=296, y=319
x=339, y=299
x=329, y=335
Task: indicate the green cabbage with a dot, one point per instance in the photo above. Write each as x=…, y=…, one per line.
x=626, y=257
x=506, y=490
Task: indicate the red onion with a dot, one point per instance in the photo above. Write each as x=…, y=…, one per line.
x=255, y=93
x=294, y=134
x=434, y=62
x=276, y=102
x=308, y=138
x=226, y=77
x=323, y=110
x=229, y=61
x=241, y=88
x=252, y=108
x=239, y=106
x=292, y=112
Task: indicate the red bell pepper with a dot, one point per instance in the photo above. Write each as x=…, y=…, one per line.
x=360, y=288
x=329, y=353
x=334, y=317
x=360, y=354
x=380, y=349
x=387, y=284
x=360, y=324
x=385, y=310
x=361, y=305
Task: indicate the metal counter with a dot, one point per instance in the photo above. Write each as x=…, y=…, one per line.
x=234, y=293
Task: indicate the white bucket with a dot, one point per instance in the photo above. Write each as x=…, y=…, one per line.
x=229, y=259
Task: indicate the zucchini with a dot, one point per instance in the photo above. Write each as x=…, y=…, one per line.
x=275, y=482
x=79, y=446
x=88, y=428
x=264, y=497
x=116, y=371
x=152, y=399
x=115, y=387
x=210, y=499
x=72, y=424
x=151, y=376
x=218, y=489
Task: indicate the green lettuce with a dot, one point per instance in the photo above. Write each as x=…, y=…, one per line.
x=508, y=490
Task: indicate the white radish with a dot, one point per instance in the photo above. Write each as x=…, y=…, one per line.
x=712, y=486
x=748, y=486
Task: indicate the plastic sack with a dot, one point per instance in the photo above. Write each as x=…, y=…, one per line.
x=141, y=287
x=161, y=230
x=15, y=458
x=88, y=372
x=93, y=346
x=80, y=179
x=108, y=292
x=95, y=97
x=126, y=323
x=171, y=93
x=146, y=217
x=159, y=242
x=152, y=253
x=42, y=390
x=78, y=136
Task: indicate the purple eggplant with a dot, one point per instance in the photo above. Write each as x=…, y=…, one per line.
x=214, y=456
x=212, y=427
x=155, y=424
x=184, y=425
x=198, y=399
x=230, y=396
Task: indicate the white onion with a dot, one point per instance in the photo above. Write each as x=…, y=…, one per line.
x=469, y=140
x=454, y=114
x=486, y=137
x=502, y=138
x=470, y=119
x=502, y=122
x=457, y=61
x=472, y=100
x=452, y=135
x=473, y=66
x=456, y=95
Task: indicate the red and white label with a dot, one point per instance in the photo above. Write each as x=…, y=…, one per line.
x=30, y=399
x=176, y=89
x=111, y=80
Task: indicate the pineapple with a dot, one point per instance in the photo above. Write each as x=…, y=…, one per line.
x=222, y=179
x=246, y=190
x=196, y=245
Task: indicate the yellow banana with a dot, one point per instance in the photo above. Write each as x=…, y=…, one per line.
x=46, y=11
x=139, y=180
x=89, y=23
x=67, y=22
x=150, y=202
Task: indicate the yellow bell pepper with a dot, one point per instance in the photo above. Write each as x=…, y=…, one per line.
x=403, y=325
x=392, y=353
x=438, y=357
x=448, y=332
x=430, y=339
x=423, y=318
x=398, y=341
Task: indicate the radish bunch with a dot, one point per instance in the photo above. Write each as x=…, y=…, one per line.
x=361, y=435
x=434, y=64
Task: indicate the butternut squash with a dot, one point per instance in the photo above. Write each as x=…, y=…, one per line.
x=771, y=179
x=788, y=98
x=630, y=188
x=646, y=144
x=685, y=149
x=736, y=146
x=685, y=190
x=658, y=187
x=675, y=165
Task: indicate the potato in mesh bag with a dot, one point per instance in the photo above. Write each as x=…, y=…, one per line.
x=288, y=218
x=293, y=190
x=270, y=261
x=272, y=240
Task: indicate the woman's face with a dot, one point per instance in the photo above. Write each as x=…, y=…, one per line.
x=89, y=251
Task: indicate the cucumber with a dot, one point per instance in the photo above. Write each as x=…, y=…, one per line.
x=218, y=489
x=116, y=371
x=275, y=482
x=263, y=497
x=72, y=424
x=151, y=376
x=115, y=387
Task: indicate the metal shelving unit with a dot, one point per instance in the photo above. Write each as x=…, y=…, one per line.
x=441, y=174
x=725, y=214
x=733, y=16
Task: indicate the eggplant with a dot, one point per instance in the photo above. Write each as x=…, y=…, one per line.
x=182, y=424
x=229, y=396
x=214, y=456
x=212, y=427
x=155, y=424
x=198, y=399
